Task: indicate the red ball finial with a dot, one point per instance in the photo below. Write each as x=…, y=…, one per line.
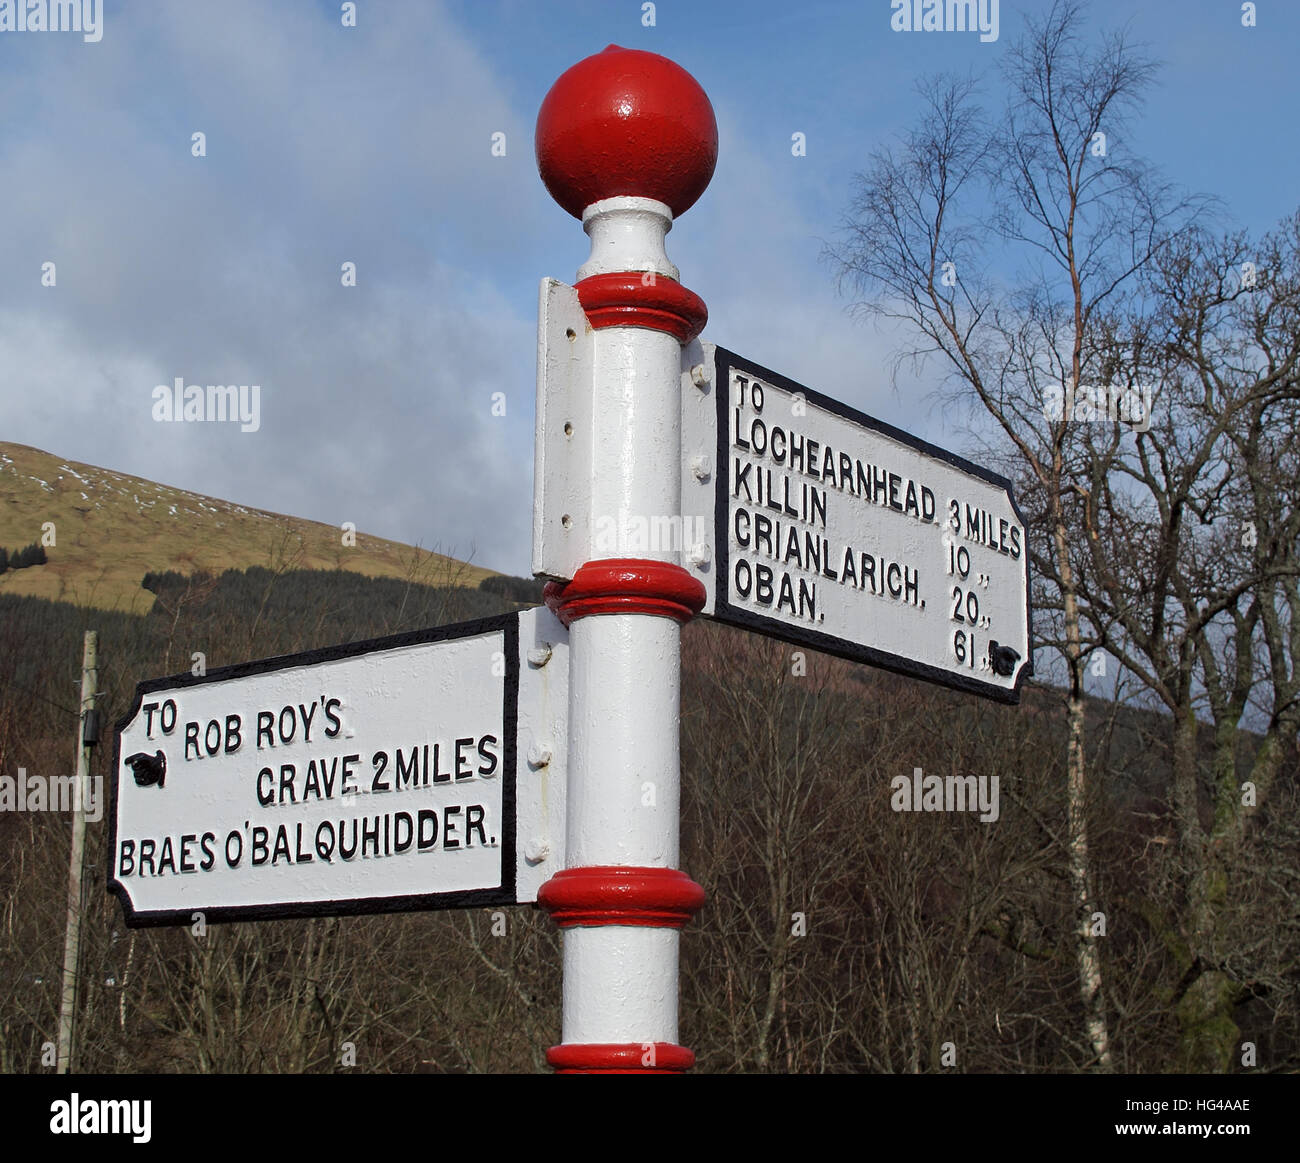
x=626, y=122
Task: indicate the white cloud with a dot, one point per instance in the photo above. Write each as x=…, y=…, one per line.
x=323, y=146
x=328, y=145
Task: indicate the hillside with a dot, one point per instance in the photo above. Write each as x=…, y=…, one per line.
x=112, y=529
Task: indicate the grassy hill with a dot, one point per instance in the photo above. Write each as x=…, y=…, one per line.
x=111, y=529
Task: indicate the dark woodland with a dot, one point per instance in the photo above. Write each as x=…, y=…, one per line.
x=839, y=935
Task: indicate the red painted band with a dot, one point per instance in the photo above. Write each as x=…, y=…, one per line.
x=609, y=894
x=626, y=585
x=620, y=1058
x=626, y=299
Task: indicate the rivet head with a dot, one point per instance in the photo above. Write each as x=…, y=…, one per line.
x=539, y=755
x=700, y=376
x=540, y=655
x=536, y=850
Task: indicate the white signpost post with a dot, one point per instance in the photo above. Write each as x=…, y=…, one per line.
x=823, y=527
x=420, y=771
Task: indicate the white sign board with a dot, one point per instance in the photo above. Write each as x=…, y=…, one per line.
x=420, y=771
x=821, y=526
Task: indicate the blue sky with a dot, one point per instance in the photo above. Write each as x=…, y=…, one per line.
x=372, y=145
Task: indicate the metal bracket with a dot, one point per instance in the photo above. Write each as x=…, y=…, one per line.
x=562, y=469
x=699, y=472
x=542, y=784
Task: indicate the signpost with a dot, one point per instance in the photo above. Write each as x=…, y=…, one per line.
x=826, y=528
x=420, y=771
x=795, y=516
x=535, y=756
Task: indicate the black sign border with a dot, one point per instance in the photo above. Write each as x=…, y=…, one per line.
x=724, y=362
x=504, y=894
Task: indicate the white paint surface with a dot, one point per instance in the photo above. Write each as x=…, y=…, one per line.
x=919, y=617
x=609, y=449
x=454, y=693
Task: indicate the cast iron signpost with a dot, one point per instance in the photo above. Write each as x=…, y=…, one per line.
x=535, y=756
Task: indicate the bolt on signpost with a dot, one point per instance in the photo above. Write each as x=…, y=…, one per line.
x=626, y=141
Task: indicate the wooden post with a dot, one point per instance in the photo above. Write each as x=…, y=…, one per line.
x=72, y=942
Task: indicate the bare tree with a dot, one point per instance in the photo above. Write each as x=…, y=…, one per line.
x=1046, y=182
x=1189, y=571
